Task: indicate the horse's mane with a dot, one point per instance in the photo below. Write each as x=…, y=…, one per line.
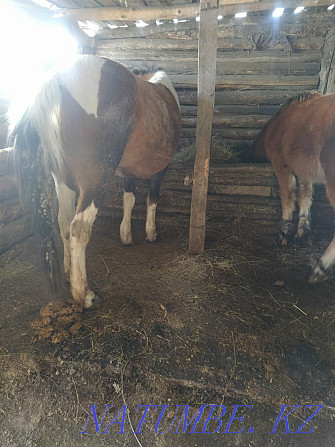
x=300, y=98
x=146, y=68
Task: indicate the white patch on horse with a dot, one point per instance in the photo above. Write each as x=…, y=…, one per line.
x=125, y=227
x=66, y=212
x=150, y=226
x=160, y=77
x=80, y=232
x=82, y=80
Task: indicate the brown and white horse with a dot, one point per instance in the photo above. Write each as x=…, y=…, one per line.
x=92, y=120
x=300, y=142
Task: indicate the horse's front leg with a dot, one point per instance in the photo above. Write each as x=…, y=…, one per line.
x=152, y=200
x=287, y=185
x=128, y=205
x=80, y=233
x=305, y=198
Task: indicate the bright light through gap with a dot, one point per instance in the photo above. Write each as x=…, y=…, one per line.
x=197, y=19
x=331, y=7
x=26, y=62
x=175, y=20
x=44, y=4
x=298, y=9
x=141, y=24
x=240, y=15
x=278, y=12
x=220, y=17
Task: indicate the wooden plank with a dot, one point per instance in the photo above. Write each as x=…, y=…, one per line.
x=206, y=92
x=112, y=48
x=250, y=82
x=14, y=232
x=225, y=65
x=327, y=75
x=189, y=111
x=181, y=11
x=257, y=96
x=232, y=121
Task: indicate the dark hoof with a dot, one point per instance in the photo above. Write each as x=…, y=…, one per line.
x=128, y=244
x=303, y=241
x=283, y=240
x=318, y=275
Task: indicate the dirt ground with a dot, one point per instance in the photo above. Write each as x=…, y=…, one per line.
x=238, y=325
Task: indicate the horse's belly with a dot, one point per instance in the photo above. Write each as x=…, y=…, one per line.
x=309, y=171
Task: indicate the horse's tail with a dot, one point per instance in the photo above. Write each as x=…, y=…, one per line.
x=37, y=152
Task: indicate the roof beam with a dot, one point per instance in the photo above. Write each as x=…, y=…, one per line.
x=227, y=8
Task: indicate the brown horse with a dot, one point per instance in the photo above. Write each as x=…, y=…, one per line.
x=300, y=142
x=92, y=120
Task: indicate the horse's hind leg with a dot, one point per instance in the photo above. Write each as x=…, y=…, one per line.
x=305, y=198
x=152, y=199
x=66, y=212
x=80, y=233
x=324, y=268
x=128, y=205
x=287, y=185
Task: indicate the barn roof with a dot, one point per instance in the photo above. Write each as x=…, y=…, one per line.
x=103, y=18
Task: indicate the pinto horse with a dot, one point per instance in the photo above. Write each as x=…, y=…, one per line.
x=300, y=143
x=93, y=120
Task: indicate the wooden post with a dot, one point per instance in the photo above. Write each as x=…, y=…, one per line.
x=327, y=73
x=206, y=92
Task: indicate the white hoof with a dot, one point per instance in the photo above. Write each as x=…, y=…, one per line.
x=151, y=236
x=91, y=300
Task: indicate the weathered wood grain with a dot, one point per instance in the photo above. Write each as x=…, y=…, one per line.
x=206, y=92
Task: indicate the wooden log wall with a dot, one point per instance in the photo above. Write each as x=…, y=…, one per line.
x=261, y=62
x=244, y=193
x=15, y=223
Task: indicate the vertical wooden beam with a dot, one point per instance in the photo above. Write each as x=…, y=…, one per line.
x=206, y=91
x=327, y=72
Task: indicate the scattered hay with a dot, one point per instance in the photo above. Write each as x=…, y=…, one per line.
x=58, y=321
x=221, y=152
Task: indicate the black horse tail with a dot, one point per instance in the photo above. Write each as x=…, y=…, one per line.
x=37, y=194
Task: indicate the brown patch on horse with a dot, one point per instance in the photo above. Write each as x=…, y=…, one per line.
x=259, y=147
x=155, y=136
x=298, y=134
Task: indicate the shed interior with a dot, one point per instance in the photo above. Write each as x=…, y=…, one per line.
x=237, y=325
